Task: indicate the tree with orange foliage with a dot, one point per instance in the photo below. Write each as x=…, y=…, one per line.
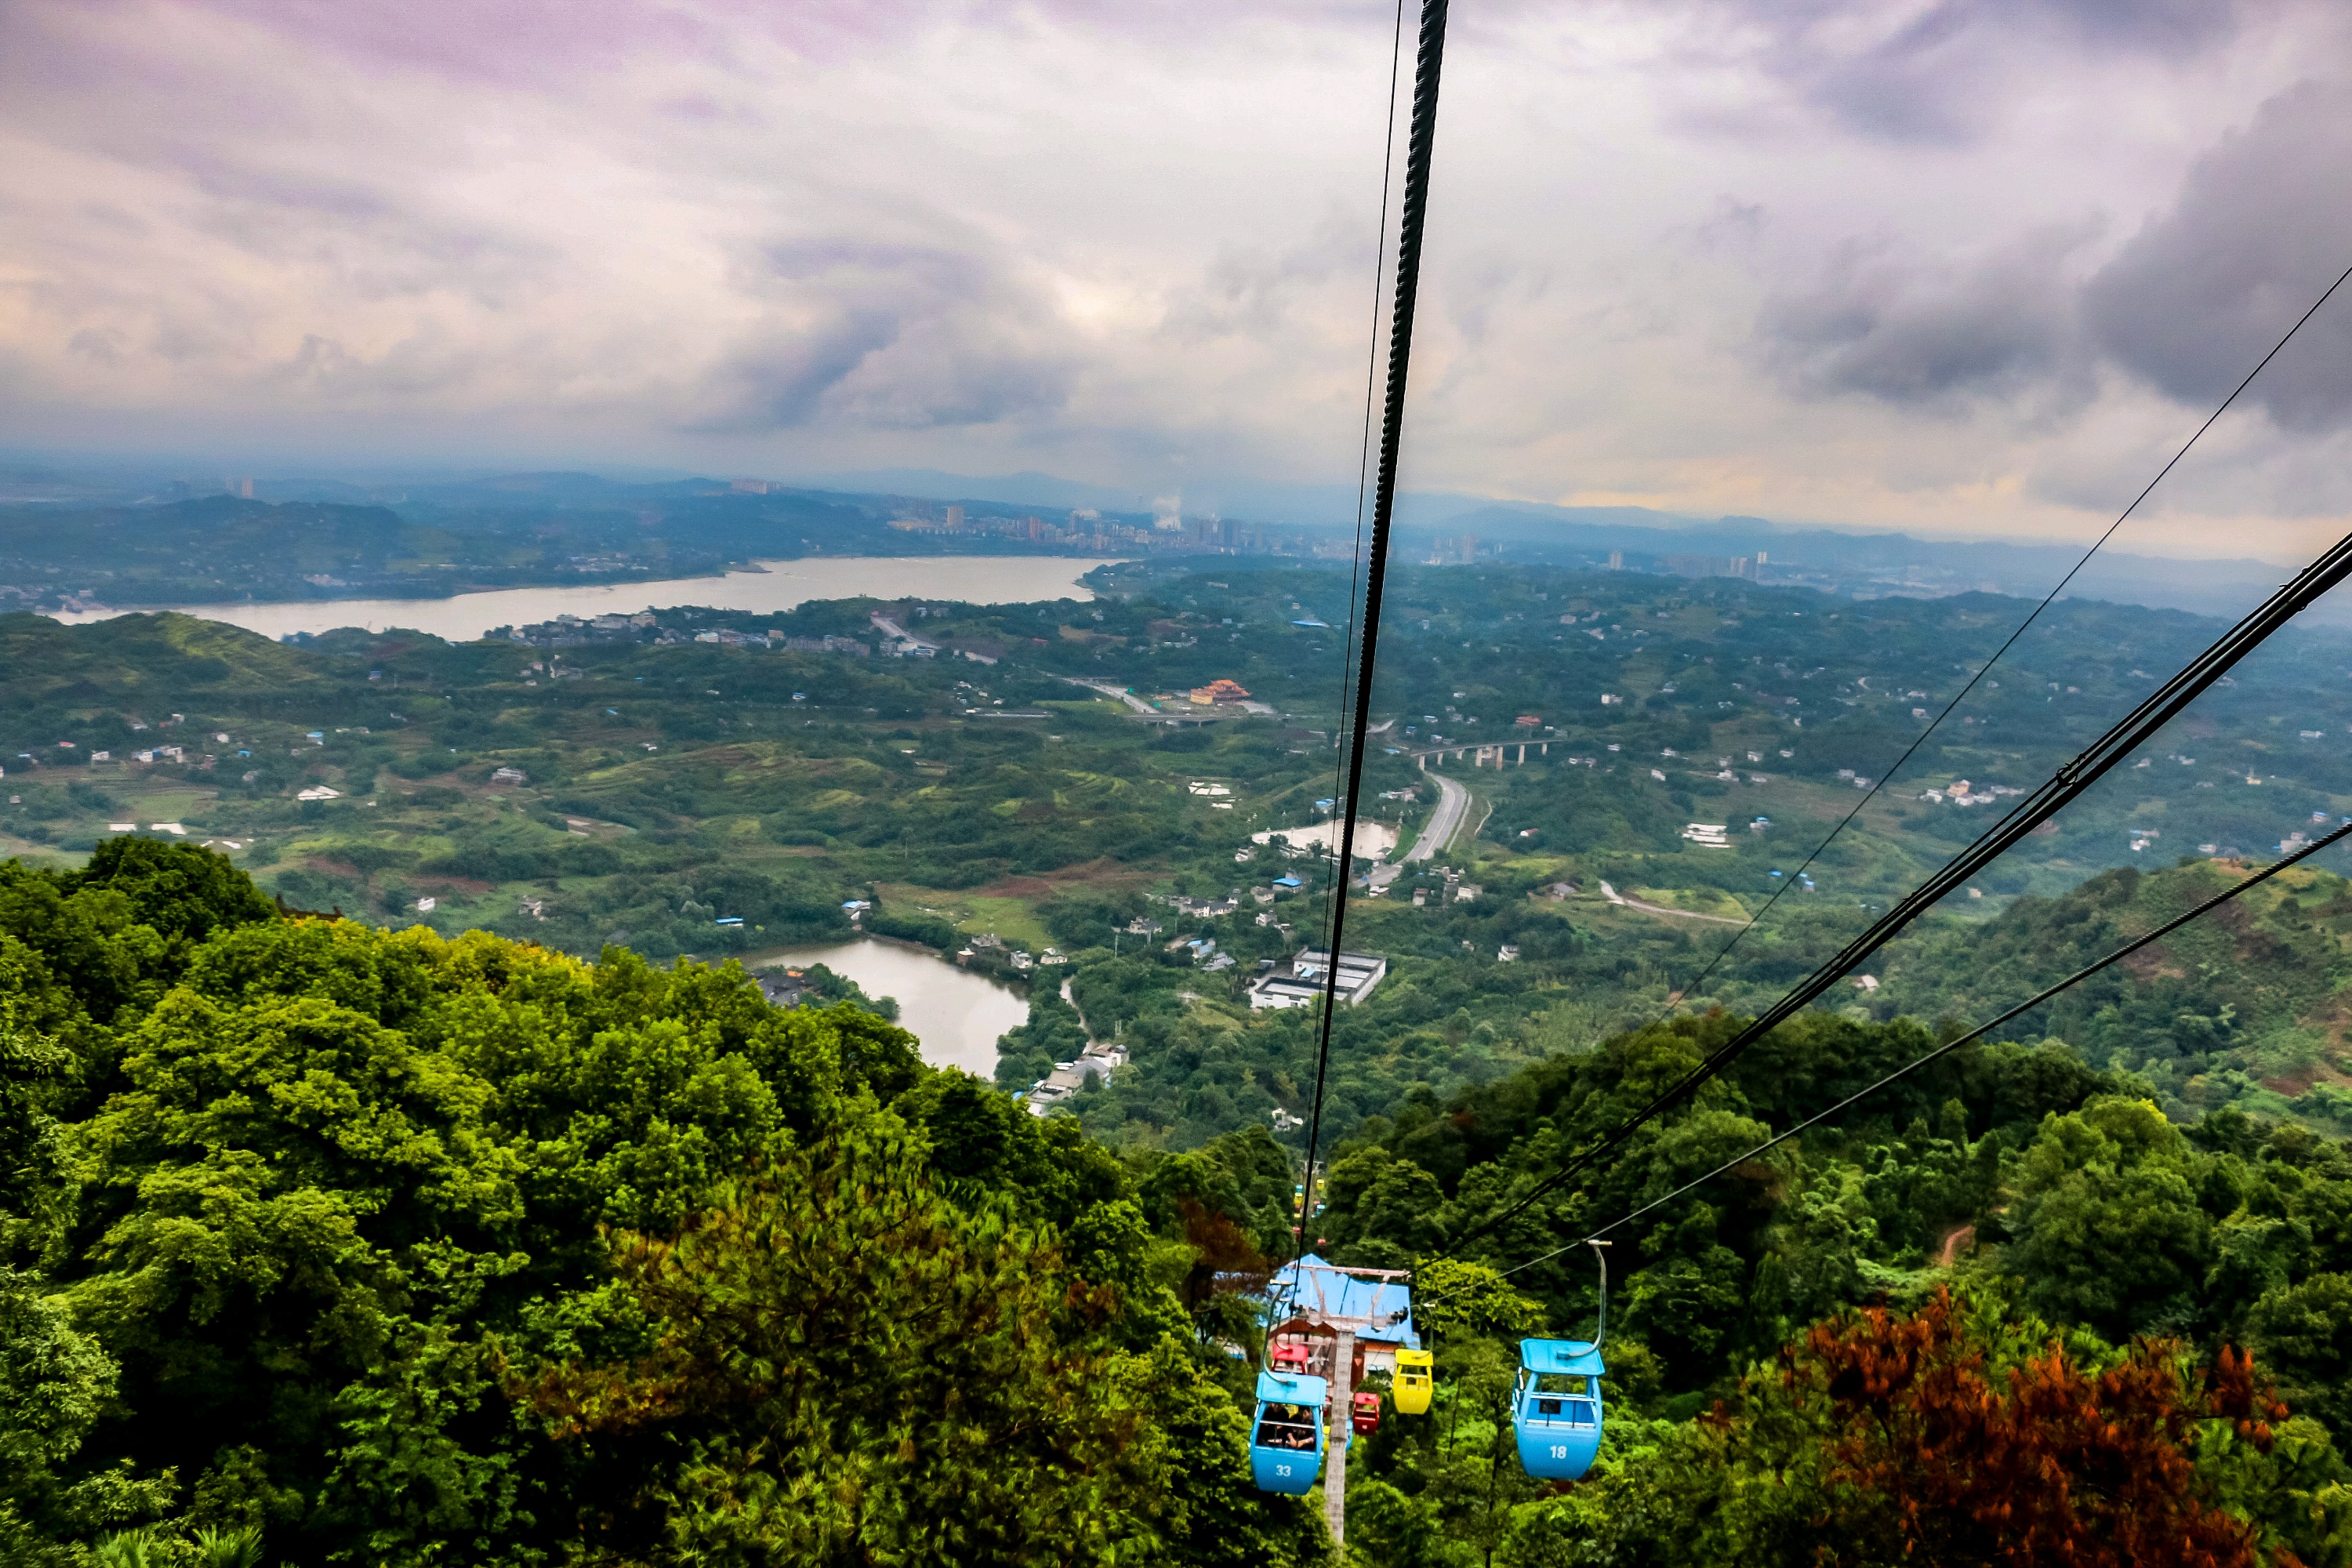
x=1958, y=1436
x=2045, y=1462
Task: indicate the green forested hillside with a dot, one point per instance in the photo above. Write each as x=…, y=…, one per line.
x=2243, y=1007
x=330, y=1243
x=397, y=1249
x=1998, y=1250
x=665, y=789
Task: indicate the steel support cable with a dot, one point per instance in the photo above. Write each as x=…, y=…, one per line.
x=1371, y=391
x=2031, y=1002
x=1428, y=64
x=1887, y=775
x=2063, y=787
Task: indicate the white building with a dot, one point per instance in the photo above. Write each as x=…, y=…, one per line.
x=1301, y=982
x=1098, y=1060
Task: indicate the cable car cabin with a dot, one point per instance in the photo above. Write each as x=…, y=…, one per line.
x=1556, y=1408
x=1412, y=1381
x=1366, y=1411
x=1286, y=1433
x=1291, y=1357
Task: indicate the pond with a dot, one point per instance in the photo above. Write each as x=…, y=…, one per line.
x=956, y=1014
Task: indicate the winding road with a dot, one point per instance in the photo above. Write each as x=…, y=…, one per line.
x=1452, y=806
x=1614, y=897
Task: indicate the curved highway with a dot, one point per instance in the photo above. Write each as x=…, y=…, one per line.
x=1452, y=806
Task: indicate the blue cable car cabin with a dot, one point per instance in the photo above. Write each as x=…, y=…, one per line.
x=1286, y=1433
x=1556, y=1408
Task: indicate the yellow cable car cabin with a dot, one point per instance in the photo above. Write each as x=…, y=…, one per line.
x=1412, y=1382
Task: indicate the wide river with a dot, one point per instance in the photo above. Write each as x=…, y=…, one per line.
x=778, y=586
x=954, y=1013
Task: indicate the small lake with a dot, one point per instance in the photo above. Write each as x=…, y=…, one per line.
x=778, y=586
x=956, y=1014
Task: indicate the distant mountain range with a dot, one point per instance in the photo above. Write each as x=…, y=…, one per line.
x=1863, y=565
x=1431, y=525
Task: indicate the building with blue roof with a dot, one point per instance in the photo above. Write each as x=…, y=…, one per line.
x=1314, y=1298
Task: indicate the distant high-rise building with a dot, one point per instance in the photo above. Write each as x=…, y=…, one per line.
x=750, y=487
x=240, y=487
x=1036, y=527
x=955, y=517
x=1616, y=561
x=1710, y=566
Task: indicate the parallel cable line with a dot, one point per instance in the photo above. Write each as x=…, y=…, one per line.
x=2063, y=787
x=2031, y=1002
x=1921, y=739
x=1969, y=860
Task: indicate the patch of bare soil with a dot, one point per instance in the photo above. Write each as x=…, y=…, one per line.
x=1101, y=872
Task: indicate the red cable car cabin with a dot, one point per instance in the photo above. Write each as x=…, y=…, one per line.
x=1289, y=1358
x=1367, y=1410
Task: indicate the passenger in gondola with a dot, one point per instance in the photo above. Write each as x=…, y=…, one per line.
x=1286, y=1427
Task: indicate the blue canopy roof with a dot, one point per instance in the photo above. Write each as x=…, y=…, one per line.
x=1561, y=1355
x=1312, y=1288
x=1291, y=1388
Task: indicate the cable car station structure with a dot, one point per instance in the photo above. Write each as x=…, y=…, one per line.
x=1326, y=1327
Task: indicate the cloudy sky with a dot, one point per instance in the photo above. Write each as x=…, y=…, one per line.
x=1963, y=267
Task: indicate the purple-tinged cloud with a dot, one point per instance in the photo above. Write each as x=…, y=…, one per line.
x=1900, y=71
x=876, y=334
x=1907, y=332
x=2261, y=226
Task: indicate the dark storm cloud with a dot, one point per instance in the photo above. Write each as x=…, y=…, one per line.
x=890, y=336
x=2261, y=225
x=1907, y=333
x=779, y=382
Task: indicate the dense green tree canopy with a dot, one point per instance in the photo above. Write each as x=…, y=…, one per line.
x=345, y=1235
